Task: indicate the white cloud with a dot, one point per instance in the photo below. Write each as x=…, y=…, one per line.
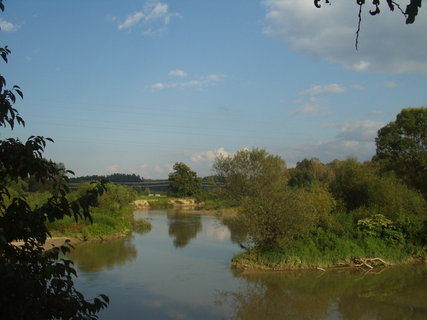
x=157, y=10
x=390, y=84
x=202, y=81
x=131, y=20
x=356, y=139
x=213, y=77
x=112, y=168
x=158, y=85
x=158, y=168
x=7, y=26
x=386, y=43
x=154, y=18
x=360, y=130
x=328, y=88
x=208, y=156
x=361, y=66
x=178, y=73
x=328, y=150
x=310, y=109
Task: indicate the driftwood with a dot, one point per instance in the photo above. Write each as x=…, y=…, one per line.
x=369, y=263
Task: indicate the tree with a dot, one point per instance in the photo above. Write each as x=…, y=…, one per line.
x=402, y=147
x=272, y=213
x=250, y=173
x=183, y=182
x=273, y=220
x=36, y=284
x=410, y=13
x=308, y=171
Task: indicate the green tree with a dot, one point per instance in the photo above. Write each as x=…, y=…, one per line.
x=308, y=171
x=36, y=284
x=250, y=173
x=183, y=182
x=273, y=220
x=402, y=147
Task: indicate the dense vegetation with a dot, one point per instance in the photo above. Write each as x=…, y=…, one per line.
x=111, y=217
x=183, y=182
x=320, y=215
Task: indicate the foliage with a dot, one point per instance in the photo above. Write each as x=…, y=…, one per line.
x=381, y=227
x=36, y=284
x=351, y=183
x=308, y=171
x=402, y=147
x=410, y=13
x=183, y=182
x=111, y=217
x=250, y=173
x=278, y=218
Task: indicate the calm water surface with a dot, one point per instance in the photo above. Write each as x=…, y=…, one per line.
x=180, y=270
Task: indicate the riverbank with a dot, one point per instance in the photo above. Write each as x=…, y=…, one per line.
x=162, y=202
x=301, y=256
x=53, y=242
x=106, y=224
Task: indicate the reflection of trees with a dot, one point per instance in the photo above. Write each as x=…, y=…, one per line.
x=239, y=233
x=183, y=227
x=96, y=256
x=397, y=293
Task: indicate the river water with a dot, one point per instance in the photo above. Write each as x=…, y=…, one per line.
x=180, y=270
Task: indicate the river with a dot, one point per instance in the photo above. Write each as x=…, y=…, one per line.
x=180, y=270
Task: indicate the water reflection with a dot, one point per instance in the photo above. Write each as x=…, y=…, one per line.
x=398, y=293
x=183, y=227
x=96, y=256
x=238, y=232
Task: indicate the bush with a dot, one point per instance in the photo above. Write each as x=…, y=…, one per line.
x=277, y=218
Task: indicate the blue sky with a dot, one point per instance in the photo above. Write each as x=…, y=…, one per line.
x=135, y=86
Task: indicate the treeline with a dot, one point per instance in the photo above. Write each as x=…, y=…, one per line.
x=324, y=214
x=115, y=177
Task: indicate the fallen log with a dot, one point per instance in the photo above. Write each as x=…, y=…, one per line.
x=369, y=263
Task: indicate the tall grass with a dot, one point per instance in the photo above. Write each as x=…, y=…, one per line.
x=325, y=249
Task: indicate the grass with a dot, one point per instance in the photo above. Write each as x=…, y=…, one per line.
x=324, y=253
x=106, y=223
x=161, y=203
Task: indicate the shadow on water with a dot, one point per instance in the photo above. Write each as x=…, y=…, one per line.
x=183, y=227
x=97, y=256
x=395, y=293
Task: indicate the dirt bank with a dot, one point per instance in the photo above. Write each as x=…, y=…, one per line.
x=53, y=242
x=170, y=202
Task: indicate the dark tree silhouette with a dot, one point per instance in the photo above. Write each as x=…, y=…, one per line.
x=36, y=284
x=410, y=12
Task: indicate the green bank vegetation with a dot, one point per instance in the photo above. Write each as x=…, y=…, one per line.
x=111, y=214
x=335, y=214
